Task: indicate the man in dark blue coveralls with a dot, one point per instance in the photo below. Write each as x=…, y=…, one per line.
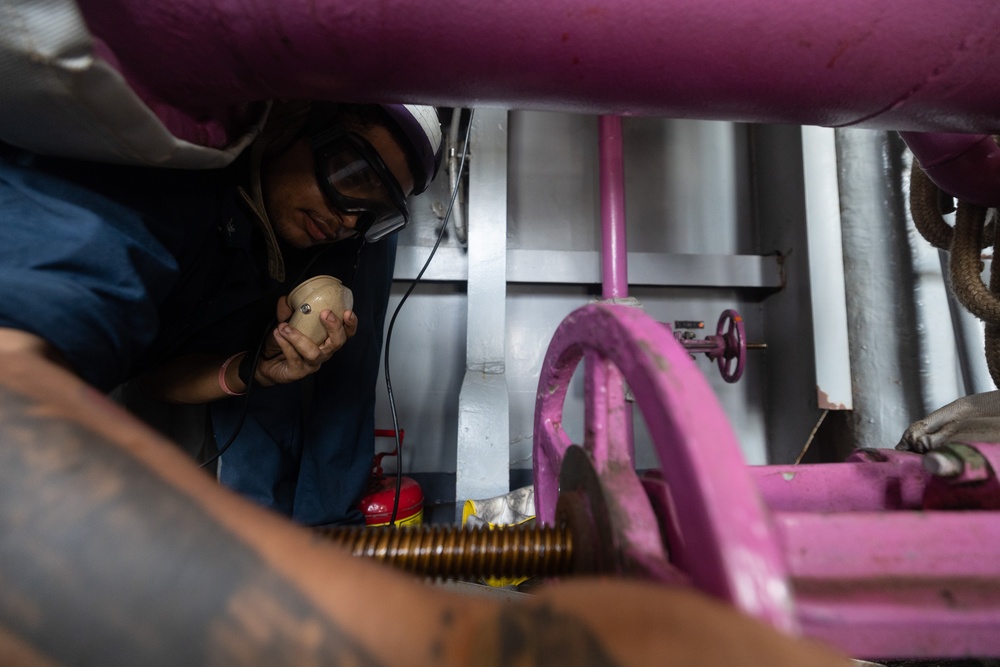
x=171, y=280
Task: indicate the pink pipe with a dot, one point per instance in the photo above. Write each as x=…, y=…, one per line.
x=846, y=487
x=614, y=256
x=870, y=545
x=966, y=166
x=896, y=584
x=895, y=64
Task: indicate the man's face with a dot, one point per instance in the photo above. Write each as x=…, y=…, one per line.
x=299, y=213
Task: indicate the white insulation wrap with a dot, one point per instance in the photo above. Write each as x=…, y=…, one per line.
x=59, y=98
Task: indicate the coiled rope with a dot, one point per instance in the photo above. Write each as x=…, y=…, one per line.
x=964, y=243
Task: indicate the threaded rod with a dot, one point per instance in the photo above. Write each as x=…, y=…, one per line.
x=453, y=552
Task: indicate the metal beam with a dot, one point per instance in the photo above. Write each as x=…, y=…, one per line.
x=483, y=453
x=575, y=267
x=826, y=269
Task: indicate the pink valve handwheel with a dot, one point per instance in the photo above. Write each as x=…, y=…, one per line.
x=732, y=361
x=727, y=544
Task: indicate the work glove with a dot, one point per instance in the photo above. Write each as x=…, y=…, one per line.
x=973, y=418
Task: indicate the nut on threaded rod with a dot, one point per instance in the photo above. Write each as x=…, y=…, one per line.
x=453, y=552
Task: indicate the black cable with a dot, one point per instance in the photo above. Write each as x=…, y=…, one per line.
x=392, y=321
x=256, y=357
x=246, y=399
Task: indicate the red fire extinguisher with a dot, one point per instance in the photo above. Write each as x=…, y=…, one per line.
x=379, y=498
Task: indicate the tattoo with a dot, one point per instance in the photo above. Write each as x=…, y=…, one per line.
x=537, y=635
x=437, y=646
x=102, y=562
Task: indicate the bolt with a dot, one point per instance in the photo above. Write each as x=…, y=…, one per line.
x=305, y=308
x=943, y=464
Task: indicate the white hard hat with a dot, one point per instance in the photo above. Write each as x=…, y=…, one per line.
x=420, y=126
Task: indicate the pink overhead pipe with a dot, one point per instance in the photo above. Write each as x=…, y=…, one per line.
x=614, y=255
x=915, y=65
x=895, y=64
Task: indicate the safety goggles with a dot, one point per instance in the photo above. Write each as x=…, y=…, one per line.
x=355, y=180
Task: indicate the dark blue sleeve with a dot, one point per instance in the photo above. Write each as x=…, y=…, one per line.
x=79, y=270
x=312, y=459
x=340, y=440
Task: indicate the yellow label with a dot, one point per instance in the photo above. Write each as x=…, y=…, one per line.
x=414, y=520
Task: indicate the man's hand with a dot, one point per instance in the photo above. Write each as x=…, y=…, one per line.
x=290, y=355
x=973, y=418
x=15, y=341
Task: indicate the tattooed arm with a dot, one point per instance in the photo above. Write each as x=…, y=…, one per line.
x=115, y=549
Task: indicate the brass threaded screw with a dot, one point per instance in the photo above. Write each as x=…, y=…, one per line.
x=453, y=552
